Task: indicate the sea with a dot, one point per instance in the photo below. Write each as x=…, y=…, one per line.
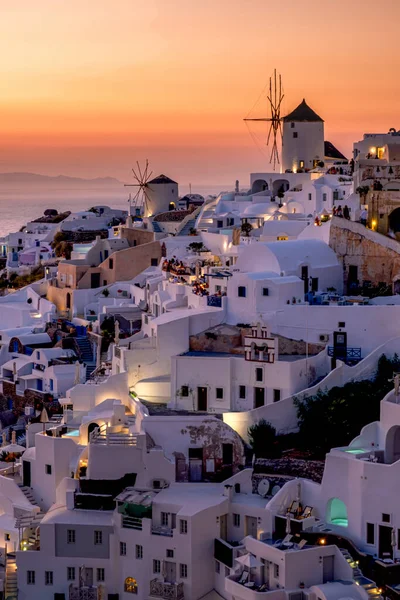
x=18, y=206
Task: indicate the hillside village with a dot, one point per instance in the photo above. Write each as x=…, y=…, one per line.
x=199, y=395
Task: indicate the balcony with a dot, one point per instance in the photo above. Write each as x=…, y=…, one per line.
x=162, y=530
x=161, y=589
x=132, y=522
x=84, y=592
x=249, y=590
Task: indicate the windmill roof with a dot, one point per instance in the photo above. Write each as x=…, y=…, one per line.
x=161, y=179
x=332, y=152
x=303, y=113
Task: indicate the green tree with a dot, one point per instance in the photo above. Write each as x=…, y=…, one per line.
x=262, y=438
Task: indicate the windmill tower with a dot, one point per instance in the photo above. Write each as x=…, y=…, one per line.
x=153, y=196
x=303, y=145
x=301, y=132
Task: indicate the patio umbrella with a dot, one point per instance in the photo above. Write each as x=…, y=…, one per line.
x=116, y=333
x=249, y=561
x=44, y=418
x=393, y=538
x=288, y=523
x=77, y=373
x=13, y=449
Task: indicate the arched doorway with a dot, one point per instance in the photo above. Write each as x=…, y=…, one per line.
x=68, y=300
x=171, y=206
x=92, y=427
x=280, y=185
x=337, y=512
x=259, y=185
x=394, y=220
x=392, y=445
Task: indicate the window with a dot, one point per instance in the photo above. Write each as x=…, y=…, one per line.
x=277, y=395
x=48, y=578
x=237, y=488
x=259, y=374
x=100, y=575
x=98, y=537
x=154, y=262
x=324, y=197
x=310, y=196
x=295, y=134
x=184, y=571
x=242, y=392
x=130, y=585
x=282, y=238
x=51, y=383
x=7, y=537
x=170, y=553
x=220, y=224
x=276, y=571
x=139, y=552
x=335, y=195
x=30, y=577
x=185, y=391
x=110, y=263
x=70, y=573
x=301, y=164
x=370, y=533
x=236, y=520
x=47, y=469
x=156, y=566
x=122, y=549
x=164, y=519
x=71, y=536
x=219, y=393
x=265, y=291
x=241, y=291
x=37, y=355
x=183, y=526
x=292, y=125
x=385, y=518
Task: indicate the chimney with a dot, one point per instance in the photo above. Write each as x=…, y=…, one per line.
x=228, y=492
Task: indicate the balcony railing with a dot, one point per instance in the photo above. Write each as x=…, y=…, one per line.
x=83, y=592
x=162, y=530
x=169, y=591
x=132, y=522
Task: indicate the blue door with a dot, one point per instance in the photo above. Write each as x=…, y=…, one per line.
x=40, y=385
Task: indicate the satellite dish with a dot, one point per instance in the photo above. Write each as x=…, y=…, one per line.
x=263, y=487
x=275, y=490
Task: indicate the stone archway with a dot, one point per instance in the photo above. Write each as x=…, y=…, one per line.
x=259, y=185
x=336, y=512
x=392, y=445
x=92, y=427
x=280, y=185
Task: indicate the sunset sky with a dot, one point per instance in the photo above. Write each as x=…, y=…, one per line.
x=89, y=87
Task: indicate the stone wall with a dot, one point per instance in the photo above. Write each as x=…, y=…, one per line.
x=376, y=256
x=229, y=338
x=289, y=467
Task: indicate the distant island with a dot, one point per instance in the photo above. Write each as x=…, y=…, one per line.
x=34, y=179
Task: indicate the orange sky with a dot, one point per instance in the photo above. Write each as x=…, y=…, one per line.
x=89, y=86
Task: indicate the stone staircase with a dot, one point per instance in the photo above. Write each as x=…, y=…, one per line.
x=187, y=227
x=86, y=353
x=367, y=584
x=11, y=587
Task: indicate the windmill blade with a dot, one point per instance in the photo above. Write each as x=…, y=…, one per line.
x=148, y=178
x=135, y=197
x=135, y=175
x=140, y=172
x=145, y=170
